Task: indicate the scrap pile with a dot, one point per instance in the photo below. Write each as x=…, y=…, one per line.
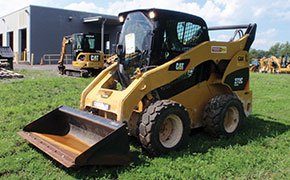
x=5, y=74
x=6, y=64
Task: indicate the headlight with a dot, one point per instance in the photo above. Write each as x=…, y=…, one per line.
x=152, y=15
x=121, y=19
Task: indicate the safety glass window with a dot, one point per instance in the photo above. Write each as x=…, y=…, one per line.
x=188, y=33
x=92, y=43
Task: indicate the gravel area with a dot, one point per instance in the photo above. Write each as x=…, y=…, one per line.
x=37, y=67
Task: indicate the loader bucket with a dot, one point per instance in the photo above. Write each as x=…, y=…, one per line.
x=78, y=138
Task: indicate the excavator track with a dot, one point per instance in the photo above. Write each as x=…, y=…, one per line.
x=77, y=73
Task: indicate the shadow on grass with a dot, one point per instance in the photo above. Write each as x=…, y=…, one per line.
x=110, y=172
x=254, y=129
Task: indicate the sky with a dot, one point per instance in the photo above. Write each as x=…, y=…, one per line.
x=272, y=17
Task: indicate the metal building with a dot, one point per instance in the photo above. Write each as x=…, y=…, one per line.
x=35, y=31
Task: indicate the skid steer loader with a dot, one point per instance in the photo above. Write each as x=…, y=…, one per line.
x=169, y=78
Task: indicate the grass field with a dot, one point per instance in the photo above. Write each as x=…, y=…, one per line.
x=260, y=151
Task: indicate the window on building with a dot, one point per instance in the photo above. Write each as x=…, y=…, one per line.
x=10, y=39
x=1, y=39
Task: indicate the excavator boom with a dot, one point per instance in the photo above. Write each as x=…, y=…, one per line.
x=65, y=41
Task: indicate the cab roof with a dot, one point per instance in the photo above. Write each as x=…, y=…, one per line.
x=162, y=14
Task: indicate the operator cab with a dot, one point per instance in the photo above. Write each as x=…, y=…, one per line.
x=152, y=37
x=84, y=43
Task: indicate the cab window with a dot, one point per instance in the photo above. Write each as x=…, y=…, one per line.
x=180, y=36
x=188, y=33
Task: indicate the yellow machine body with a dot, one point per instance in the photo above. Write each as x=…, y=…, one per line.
x=89, y=60
x=121, y=104
x=111, y=106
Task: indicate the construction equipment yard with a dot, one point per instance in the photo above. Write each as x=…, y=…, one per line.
x=172, y=102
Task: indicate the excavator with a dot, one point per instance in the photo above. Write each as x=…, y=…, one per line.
x=263, y=67
x=283, y=66
x=169, y=78
x=272, y=65
x=86, y=59
x=254, y=65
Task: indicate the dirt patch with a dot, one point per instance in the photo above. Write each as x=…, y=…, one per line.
x=37, y=67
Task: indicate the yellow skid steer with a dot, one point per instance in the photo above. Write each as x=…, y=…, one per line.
x=169, y=78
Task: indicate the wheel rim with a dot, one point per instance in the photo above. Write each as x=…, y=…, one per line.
x=231, y=119
x=171, y=131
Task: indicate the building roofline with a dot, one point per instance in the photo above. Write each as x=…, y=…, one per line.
x=31, y=6
x=1, y=17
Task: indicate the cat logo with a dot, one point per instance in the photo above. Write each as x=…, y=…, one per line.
x=179, y=66
x=95, y=57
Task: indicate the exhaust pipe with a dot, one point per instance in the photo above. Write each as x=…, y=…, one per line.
x=78, y=138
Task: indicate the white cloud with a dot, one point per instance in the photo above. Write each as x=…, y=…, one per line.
x=284, y=15
x=82, y=6
x=14, y=5
x=215, y=11
x=259, y=12
x=265, y=39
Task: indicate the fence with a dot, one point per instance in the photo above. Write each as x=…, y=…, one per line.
x=54, y=58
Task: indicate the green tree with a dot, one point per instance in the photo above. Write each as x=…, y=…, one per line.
x=257, y=53
x=275, y=50
x=285, y=49
x=278, y=50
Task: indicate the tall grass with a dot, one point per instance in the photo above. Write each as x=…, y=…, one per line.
x=260, y=150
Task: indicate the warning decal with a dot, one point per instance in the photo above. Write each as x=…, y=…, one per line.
x=130, y=43
x=218, y=49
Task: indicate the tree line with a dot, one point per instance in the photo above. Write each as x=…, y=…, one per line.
x=278, y=50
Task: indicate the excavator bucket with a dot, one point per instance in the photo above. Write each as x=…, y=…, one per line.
x=78, y=138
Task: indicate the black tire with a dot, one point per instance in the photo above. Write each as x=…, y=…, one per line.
x=223, y=115
x=165, y=126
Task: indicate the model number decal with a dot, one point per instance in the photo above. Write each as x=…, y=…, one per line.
x=238, y=81
x=219, y=49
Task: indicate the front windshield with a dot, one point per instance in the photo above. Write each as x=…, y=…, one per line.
x=89, y=43
x=136, y=37
x=78, y=41
x=86, y=43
